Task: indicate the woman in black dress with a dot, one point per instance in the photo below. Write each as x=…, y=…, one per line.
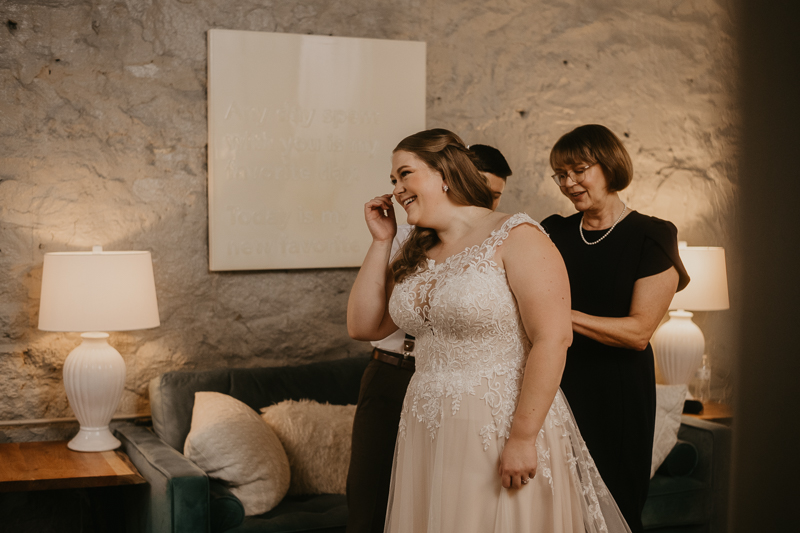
x=623, y=270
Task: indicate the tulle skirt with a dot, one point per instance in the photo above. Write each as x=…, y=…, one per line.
x=450, y=482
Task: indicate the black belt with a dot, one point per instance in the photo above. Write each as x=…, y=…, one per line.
x=392, y=358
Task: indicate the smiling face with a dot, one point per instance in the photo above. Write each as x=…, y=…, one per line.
x=417, y=187
x=591, y=193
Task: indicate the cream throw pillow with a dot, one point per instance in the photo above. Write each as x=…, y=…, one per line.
x=316, y=438
x=669, y=407
x=231, y=443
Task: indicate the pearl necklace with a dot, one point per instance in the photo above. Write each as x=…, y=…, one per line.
x=614, y=225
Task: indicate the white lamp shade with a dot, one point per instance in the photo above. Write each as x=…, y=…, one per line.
x=708, y=289
x=98, y=291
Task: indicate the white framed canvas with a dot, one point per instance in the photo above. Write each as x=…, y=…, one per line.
x=300, y=134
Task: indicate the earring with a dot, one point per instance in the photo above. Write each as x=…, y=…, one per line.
x=445, y=188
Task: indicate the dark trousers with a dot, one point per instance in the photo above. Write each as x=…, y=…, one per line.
x=380, y=401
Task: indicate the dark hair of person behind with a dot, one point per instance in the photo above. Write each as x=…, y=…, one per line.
x=444, y=152
x=489, y=159
x=590, y=144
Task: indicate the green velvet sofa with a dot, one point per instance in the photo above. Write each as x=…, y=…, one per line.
x=692, y=500
x=180, y=498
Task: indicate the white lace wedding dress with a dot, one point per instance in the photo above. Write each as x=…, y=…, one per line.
x=471, y=351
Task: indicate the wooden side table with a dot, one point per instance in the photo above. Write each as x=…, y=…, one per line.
x=45, y=486
x=26, y=466
x=715, y=412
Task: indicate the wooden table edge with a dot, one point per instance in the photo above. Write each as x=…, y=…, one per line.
x=128, y=475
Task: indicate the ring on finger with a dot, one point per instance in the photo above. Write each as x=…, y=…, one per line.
x=525, y=481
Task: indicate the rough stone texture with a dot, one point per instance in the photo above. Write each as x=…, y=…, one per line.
x=103, y=140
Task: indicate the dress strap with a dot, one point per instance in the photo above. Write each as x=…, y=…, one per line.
x=500, y=235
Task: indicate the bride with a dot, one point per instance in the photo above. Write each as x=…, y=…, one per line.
x=486, y=440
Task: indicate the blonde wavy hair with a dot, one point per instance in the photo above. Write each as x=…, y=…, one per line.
x=444, y=152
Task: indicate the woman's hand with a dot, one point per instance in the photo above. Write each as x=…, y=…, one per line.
x=518, y=463
x=383, y=227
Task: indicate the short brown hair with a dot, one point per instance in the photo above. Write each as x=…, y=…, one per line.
x=593, y=143
x=490, y=159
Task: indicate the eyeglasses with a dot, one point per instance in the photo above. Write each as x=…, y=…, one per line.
x=577, y=175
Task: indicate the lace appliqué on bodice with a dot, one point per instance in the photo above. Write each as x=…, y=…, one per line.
x=468, y=331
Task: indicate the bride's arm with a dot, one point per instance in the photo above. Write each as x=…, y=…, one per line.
x=368, y=305
x=538, y=279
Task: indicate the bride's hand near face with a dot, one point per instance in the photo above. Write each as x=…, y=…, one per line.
x=379, y=214
x=368, y=306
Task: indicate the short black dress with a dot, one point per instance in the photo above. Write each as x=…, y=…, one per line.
x=612, y=390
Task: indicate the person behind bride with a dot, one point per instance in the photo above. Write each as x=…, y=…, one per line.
x=624, y=268
x=486, y=441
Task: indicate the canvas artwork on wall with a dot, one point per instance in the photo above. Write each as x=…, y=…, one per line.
x=300, y=134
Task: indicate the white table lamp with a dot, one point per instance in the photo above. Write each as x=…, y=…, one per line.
x=94, y=292
x=679, y=344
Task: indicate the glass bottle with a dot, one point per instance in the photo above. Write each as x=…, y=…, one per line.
x=702, y=389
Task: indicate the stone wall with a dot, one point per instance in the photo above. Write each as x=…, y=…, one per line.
x=103, y=140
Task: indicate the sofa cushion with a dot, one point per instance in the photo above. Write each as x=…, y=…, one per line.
x=231, y=443
x=669, y=406
x=172, y=394
x=321, y=513
x=317, y=440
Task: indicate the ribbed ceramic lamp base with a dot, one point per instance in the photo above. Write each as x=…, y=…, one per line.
x=678, y=346
x=94, y=376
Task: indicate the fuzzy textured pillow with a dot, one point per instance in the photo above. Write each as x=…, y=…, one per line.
x=669, y=407
x=316, y=438
x=231, y=443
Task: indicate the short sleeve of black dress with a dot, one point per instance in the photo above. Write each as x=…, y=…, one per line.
x=660, y=251
x=612, y=390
